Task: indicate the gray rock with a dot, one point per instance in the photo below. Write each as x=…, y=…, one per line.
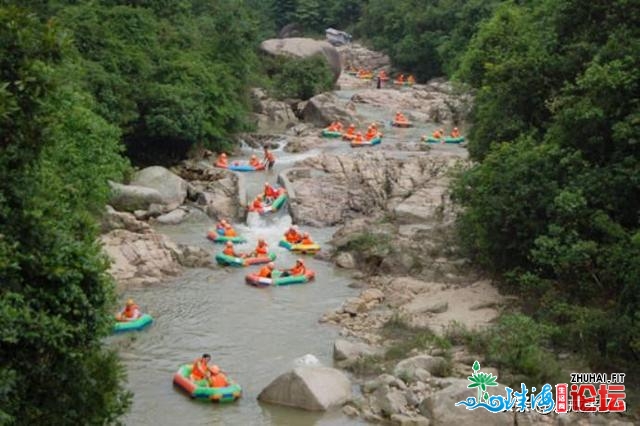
x=421, y=375
x=132, y=197
x=436, y=308
x=350, y=411
x=172, y=188
x=299, y=47
x=174, y=217
x=403, y=420
x=381, y=380
x=345, y=260
x=324, y=108
x=346, y=350
x=390, y=400
x=309, y=388
x=408, y=367
x=112, y=219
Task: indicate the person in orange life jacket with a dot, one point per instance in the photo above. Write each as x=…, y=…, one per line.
x=372, y=132
x=130, y=312
x=400, y=78
x=455, y=133
x=358, y=138
x=270, y=193
x=220, y=226
x=411, y=80
x=436, y=134
x=400, y=117
x=266, y=270
x=338, y=126
x=222, y=160
x=269, y=158
x=217, y=379
x=261, y=249
x=306, y=239
x=229, y=250
x=200, y=368
x=257, y=203
x=351, y=130
x=253, y=162
x=298, y=269
x=292, y=236
x=229, y=231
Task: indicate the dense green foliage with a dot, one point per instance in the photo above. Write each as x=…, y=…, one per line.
x=423, y=37
x=299, y=78
x=56, y=155
x=169, y=75
x=554, y=203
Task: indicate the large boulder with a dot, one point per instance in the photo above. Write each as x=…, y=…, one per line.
x=440, y=407
x=358, y=56
x=270, y=114
x=309, y=388
x=324, y=108
x=172, y=188
x=433, y=364
x=300, y=47
x=131, y=197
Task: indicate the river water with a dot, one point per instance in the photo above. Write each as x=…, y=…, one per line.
x=253, y=334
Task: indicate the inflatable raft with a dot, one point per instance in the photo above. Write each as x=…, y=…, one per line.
x=401, y=123
x=201, y=389
x=241, y=167
x=225, y=260
x=447, y=139
x=274, y=206
x=221, y=239
x=136, y=325
x=348, y=137
x=374, y=141
x=330, y=133
x=300, y=248
x=277, y=280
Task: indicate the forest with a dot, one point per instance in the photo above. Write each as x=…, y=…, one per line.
x=550, y=206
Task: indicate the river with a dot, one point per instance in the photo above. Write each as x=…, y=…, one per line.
x=253, y=334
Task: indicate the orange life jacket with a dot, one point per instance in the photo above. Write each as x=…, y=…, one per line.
x=265, y=272
x=254, y=162
x=455, y=134
x=292, y=236
x=371, y=134
x=358, y=138
x=269, y=156
x=218, y=381
x=222, y=160
x=229, y=251
x=306, y=241
x=261, y=249
x=271, y=192
x=298, y=270
x=257, y=204
x=230, y=232
x=130, y=311
x=199, y=369
x=351, y=130
x=437, y=134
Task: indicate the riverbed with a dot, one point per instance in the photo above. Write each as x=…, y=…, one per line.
x=253, y=334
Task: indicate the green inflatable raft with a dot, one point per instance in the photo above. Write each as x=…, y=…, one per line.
x=201, y=389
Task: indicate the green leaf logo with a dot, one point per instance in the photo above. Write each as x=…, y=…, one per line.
x=481, y=381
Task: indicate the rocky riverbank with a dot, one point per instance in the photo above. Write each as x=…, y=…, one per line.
x=158, y=196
